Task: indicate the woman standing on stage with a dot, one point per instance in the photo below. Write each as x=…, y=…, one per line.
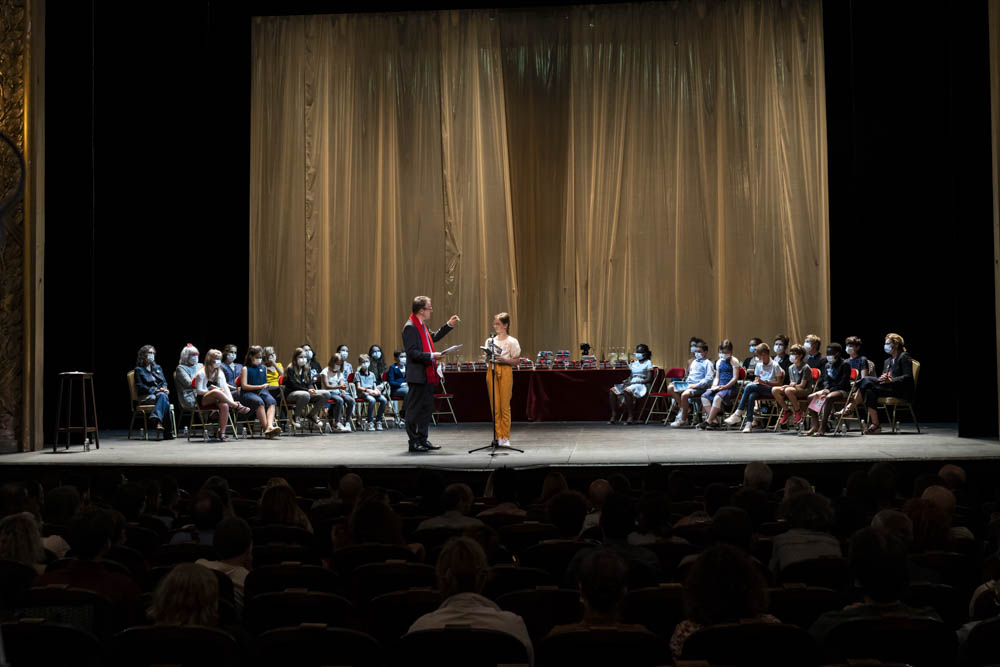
x=508, y=355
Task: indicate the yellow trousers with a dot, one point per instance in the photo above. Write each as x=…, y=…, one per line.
x=501, y=406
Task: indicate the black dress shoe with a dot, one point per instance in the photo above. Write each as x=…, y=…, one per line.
x=414, y=448
x=428, y=445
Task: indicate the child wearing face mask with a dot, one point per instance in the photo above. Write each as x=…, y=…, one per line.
x=255, y=391
x=701, y=372
x=299, y=389
x=314, y=366
x=379, y=368
x=781, y=352
x=767, y=375
x=230, y=367
x=799, y=376
x=723, y=386
x=635, y=387
x=836, y=384
x=334, y=382
x=750, y=363
x=273, y=370
x=814, y=348
x=397, y=375
x=858, y=363
x=364, y=379
x=343, y=351
x=187, y=368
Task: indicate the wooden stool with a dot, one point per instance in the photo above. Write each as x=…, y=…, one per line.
x=88, y=427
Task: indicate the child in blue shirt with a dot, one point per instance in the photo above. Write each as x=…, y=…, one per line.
x=701, y=372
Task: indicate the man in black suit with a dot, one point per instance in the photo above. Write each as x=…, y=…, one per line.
x=421, y=371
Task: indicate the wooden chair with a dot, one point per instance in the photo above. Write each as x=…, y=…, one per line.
x=143, y=410
x=891, y=404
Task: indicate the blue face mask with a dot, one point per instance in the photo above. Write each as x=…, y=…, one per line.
x=694, y=348
x=753, y=348
x=640, y=356
x=887, y=348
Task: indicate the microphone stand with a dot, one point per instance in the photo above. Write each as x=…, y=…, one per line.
x=494, y=446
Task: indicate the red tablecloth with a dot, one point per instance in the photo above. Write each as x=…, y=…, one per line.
x=567, y=395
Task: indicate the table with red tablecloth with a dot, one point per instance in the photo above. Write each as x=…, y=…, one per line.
x=539, y=395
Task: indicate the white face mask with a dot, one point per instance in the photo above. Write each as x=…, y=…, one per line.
x=255, y=362
x=793, y=358
x=779, y=347
x=694, y=348
x=150, y=357
x=365, y=365
x=230, y=358
x=377, y=354
x=402, y=361
x=888, y=348
x=309, y=354
x=830, y=358
x=302, y=361
x=272, y=358
x=724, y=355
x=194, y=360
x=809, y=347
x=343, y=354
x=850, y=349
x=699, y=355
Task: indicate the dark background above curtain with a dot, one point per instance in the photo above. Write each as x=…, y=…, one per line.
x=909, y=182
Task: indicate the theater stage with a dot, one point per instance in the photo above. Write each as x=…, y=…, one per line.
x=566, y=444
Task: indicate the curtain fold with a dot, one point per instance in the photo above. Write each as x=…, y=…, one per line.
x=608, y=174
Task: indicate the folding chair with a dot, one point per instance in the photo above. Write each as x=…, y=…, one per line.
x=249, y=420
x=446, y=397
x=659, y=394
x=741, y=382
x=394, y=403
x=144, y=410
x=896, y=403
x=654, y=385
x=850, y=410
x=207, y=417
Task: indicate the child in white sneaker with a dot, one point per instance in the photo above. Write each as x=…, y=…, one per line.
x=767, y=375
x=723, y=386
x=701, y=372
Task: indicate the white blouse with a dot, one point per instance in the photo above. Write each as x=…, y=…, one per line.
x=201, y=382
x=509, y=347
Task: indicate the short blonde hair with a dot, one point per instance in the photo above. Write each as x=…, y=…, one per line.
x=763, y=348
x=813, y=338
x=188, y=595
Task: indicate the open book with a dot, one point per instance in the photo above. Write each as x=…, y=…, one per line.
x=452, y=349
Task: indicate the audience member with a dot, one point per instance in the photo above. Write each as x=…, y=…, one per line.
x=188, y=595
x=795, y=485
x=461, y=573
x=603, y=583
x=206, y=511
x=597, y=493
x=553, y=484
x=92, y=532
x=617, y=523
x=809, y=518
x=278, y=506
x=234, y=543
x=653, y=522
x=151, y=389
x=878, y=563
x=723, y=586
x=757, y=475
x=931, y=525
x=883, y=477
x=944, y=500
x=502, y=485
x=566, y=511
x=21, y=541
x=457, y=502
x=61, y=503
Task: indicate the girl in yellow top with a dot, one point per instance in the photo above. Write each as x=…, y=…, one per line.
x=507, y=356
x=274, y=370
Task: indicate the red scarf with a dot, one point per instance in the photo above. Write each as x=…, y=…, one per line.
x=428, y=346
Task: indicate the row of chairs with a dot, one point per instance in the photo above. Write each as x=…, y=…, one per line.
x=659, y=402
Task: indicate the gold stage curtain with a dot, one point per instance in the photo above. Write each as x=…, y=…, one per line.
x=607, y=174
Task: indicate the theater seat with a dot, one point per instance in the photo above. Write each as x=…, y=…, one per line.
x=752, y=643
x=603, y=646
x=919, y=642
x=460, y=646
x=315, y=644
